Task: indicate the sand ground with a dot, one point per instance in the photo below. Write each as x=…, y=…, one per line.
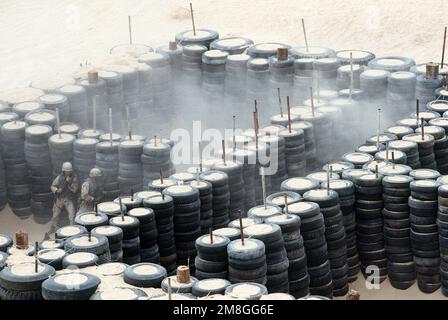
x=45, y=38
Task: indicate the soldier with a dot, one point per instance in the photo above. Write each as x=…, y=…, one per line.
x=65, y=188
x=92, y=191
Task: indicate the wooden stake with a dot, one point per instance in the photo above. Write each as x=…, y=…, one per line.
x=94, y=113
x=233, y=133
x=379, y=130
x=328, y=179
x=304, y=34
x=286, y=206
x=58, y=123
x=130, y=29
x=350, y=92
x=289, y=114
x=197, y=175
x=155, y=141
x=241, y=227
x=417, y=110
x=96, y=209
x=263, y=186
x=223, y=144
x=423, y=130
x=387, y=151
x=256, y=131
x=443, y=49
x=132, y=194
x=128, y=118
x=89, y=236
x=280, y=102
x=169, y=288
x=211, y=234
x=192, y=19
x=161, y=176
x=121, y=208
x=393, y=160
x=200, y=156
x=110, y=126
x=312, y=100
x=376, y=171
x=36, y=260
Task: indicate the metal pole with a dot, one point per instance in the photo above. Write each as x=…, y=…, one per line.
x=304, y=34
x=443, y=49
x=130, y=29
x=192, y=18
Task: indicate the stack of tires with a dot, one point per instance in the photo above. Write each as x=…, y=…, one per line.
x=114, y=236
x=440, y=146
x=107, y=162
x=91, y=220
x=400, y=262
x=187, y=221
x=192, y=63
x=410, y=148
x=426, y=88
x=374, y=86
x=261, y=213
x=295, y=152
x=211, y=261
x=206, y=199
x=247, y=158
x=96, y=93
x=343, y=78
x=328, y=201
x=346, y=192
x=21, y=282
x=276, y=256
x=145, y=94
x=213, y=73
x=327, y=70
x=163, y=208
x=77, y=101
x=282, y=76
x=130, y=166
x=161, y=78
x=55, y=102
x=84, y=157
x=149, y=250
x=23, y=108
x=309, y=141
x=442, y=223
x=425, y=149
x=14, y=157
x=37, y=154
x=221, y=196
x=358, y=159
x=115, y=100
x=399, y=131
x=303, y=78
x=42, y=117
x=61, y=150
x=130, y=92
x=247, y=261
x=312, y=229
x=370, y=226
x=298, y=277
x=424, y=233
x=98, y=245
x=256, y=83
x=235, y=84
x=131, y=240
x=156, y=157
x=321, y=122
x=234, y=171
x=400, y=93
x=277, y=160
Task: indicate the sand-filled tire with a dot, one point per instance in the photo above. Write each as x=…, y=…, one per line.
x=145, y=275
x=79, y=260
x=22, y=277
x=210, y=286
x=119, y=293
x=246, y=291
x=70, y=286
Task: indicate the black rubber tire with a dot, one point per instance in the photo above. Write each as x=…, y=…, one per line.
x=153, y=279
x=52, y=290
x=13, y=282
